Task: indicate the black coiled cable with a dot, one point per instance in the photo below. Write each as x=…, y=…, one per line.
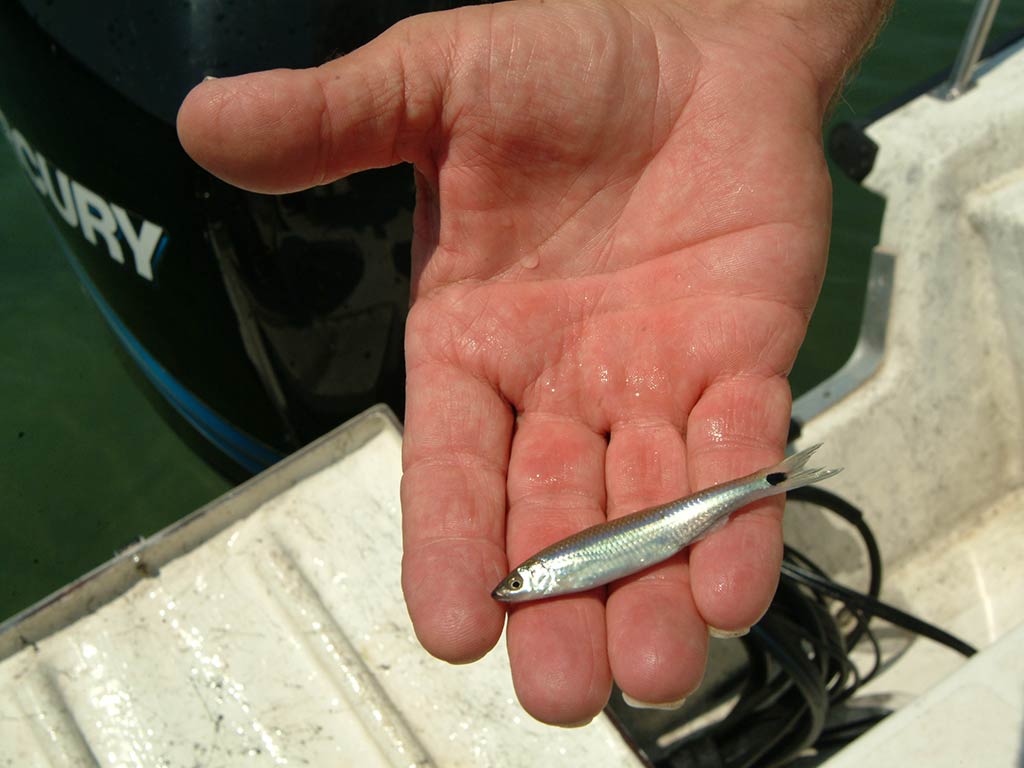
x=800, y=673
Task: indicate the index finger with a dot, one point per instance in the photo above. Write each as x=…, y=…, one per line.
x=455, y=456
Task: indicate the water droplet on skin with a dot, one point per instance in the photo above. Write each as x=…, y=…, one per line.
x=530, y=261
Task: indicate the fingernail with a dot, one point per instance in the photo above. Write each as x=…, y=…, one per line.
x=580, y=724
x=725, y=634
x=637, y=704
x=209, y=77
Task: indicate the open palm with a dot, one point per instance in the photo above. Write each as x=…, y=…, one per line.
x=620, y=233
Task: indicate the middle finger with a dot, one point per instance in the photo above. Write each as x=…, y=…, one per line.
x=557, y=646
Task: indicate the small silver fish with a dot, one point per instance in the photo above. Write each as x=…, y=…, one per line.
x=616, y=548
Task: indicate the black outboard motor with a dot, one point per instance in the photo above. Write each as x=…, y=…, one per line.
x=264, y=320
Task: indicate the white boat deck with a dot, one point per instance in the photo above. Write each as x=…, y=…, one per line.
x=934, y=440
x=281, y=640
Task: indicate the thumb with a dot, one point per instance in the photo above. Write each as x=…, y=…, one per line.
x=285, y=130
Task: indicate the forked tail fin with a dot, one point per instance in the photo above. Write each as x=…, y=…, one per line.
x=790, y=473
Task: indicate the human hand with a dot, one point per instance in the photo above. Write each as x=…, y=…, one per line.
x=621, y=228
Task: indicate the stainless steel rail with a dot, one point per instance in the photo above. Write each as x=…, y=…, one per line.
x=970, y=50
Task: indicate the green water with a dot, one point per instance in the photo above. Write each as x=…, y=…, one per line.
x=86, y=462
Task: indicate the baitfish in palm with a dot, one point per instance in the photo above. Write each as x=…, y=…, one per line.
x=616, y=548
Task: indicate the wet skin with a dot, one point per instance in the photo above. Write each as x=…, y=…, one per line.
x=621, y=229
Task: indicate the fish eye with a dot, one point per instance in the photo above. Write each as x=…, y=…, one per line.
x=516, y=583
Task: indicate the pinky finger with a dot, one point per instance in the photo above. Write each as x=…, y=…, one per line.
x=737, y=427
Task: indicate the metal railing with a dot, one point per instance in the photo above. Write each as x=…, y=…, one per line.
x=960, y=79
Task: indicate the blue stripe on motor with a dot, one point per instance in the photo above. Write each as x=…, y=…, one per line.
x=245, y=450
